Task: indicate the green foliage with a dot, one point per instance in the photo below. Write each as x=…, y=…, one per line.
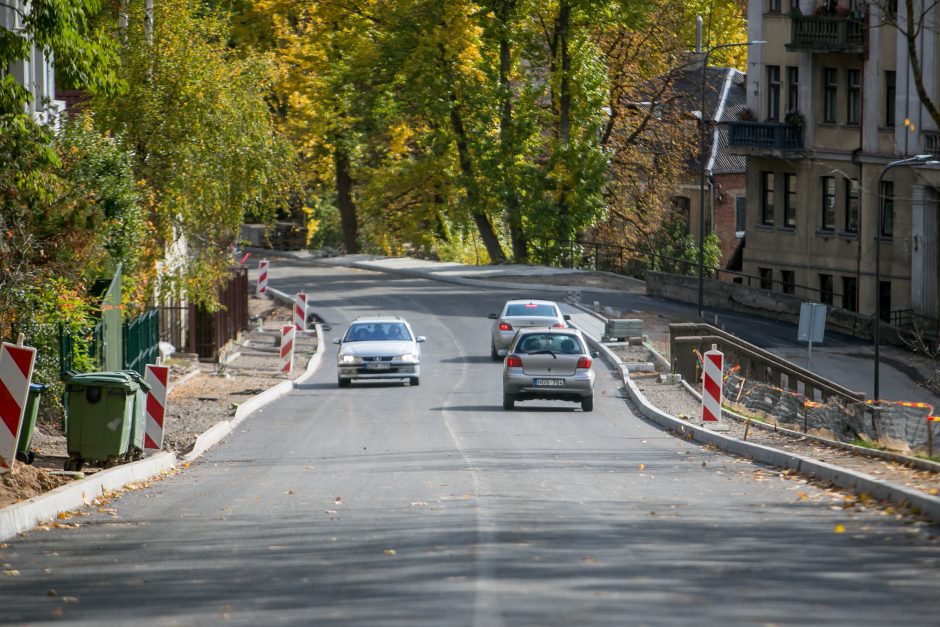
x=84, y=51
x=203, y=137
x=69, y=213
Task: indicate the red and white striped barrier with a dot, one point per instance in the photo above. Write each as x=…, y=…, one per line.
x=262, y=276
x=712, y=380
x=16, y=371
x=157, y=378
x=300, y=311
x=288, y=332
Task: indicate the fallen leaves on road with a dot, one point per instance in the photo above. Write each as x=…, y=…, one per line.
x=390, y=552
x=840, y=528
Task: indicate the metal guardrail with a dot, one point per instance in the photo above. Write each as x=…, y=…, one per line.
x=756, y=363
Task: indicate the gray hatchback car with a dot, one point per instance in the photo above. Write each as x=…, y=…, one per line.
x=549, y=364
x=519, y=314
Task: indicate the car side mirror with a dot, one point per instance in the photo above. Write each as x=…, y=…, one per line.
x=337, y=340
x=567, y=316
x=420, y=339
x=595, y=354
x=493, y=316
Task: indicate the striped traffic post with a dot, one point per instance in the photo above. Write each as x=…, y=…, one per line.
x=712, y=380
x=16, y=371
x=300, y=311
x=287, y=348
x=262, y=277
x=157, y=378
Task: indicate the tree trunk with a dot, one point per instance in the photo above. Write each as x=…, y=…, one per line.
x=564, y=104
x=913, y=28
x=347, y=208
x=513, y=214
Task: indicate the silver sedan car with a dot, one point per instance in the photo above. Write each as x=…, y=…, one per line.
x=519, y=314
x=549, y=364
x=378, y=348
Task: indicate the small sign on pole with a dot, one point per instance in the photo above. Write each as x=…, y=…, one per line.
x=16, y=371
x=712, y=382
x=812, y=327
x=157, y=377
x=300, y=311
x=262, y=276
x=288, y=333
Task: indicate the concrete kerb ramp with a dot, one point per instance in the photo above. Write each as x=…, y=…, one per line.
x=27, y=514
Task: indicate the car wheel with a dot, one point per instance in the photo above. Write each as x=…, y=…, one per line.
x=509, y=401
x=343, y=383
x=493, y=354
x=587, y=403
x=414, y=381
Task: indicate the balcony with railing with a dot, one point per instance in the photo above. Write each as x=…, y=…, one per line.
x=932, y=142
x=827, y=33
x=764, y=138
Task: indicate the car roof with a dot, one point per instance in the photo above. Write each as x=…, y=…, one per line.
x=551, y=330
x=526, y=301
x=378, y=319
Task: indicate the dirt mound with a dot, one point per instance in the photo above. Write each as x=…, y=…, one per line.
x=25, y=482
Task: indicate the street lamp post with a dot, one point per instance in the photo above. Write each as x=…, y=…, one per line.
x=702, y=133
x=876, y=331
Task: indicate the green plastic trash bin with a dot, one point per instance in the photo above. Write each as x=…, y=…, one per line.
x=100, y=409
x=25, y=440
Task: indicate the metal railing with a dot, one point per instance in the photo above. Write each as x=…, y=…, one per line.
x=932, y=142
x=141, y=341
x=765, y=135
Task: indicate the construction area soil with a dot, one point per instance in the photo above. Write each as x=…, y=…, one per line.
x=201, y=394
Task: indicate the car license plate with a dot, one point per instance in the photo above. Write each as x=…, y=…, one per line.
x=549, y=383
x=378, y=365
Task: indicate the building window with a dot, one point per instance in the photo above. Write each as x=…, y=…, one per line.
x=789, y=200
x=887, y=208
x=830, y=89
x=891, y=93
x=766, y=278
x=773, y=6
x=767, y=198
x=773, y=92
x=851, y=205
x=853, y=83
x=787, y=282
x=740, y=213
x=849, y=293
x=828, y=203
x=825, y=289
x=793, y=88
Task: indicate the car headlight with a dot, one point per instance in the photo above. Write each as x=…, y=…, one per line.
x=408, y=357
x=349, y=359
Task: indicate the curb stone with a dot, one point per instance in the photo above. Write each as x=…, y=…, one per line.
x=27, y=514
x=843, y=478
x=814, y=468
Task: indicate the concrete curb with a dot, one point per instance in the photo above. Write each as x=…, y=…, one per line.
x=26, y=515
x=814, y=468
x=217, y=432
x=841, y=477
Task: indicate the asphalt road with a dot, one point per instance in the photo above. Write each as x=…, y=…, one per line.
x=384, y=504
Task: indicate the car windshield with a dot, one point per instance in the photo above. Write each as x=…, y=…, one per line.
x=531, y=309
x=377, y=331
x=554, y=342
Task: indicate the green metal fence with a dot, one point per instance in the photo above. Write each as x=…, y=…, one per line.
x=141, y=339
